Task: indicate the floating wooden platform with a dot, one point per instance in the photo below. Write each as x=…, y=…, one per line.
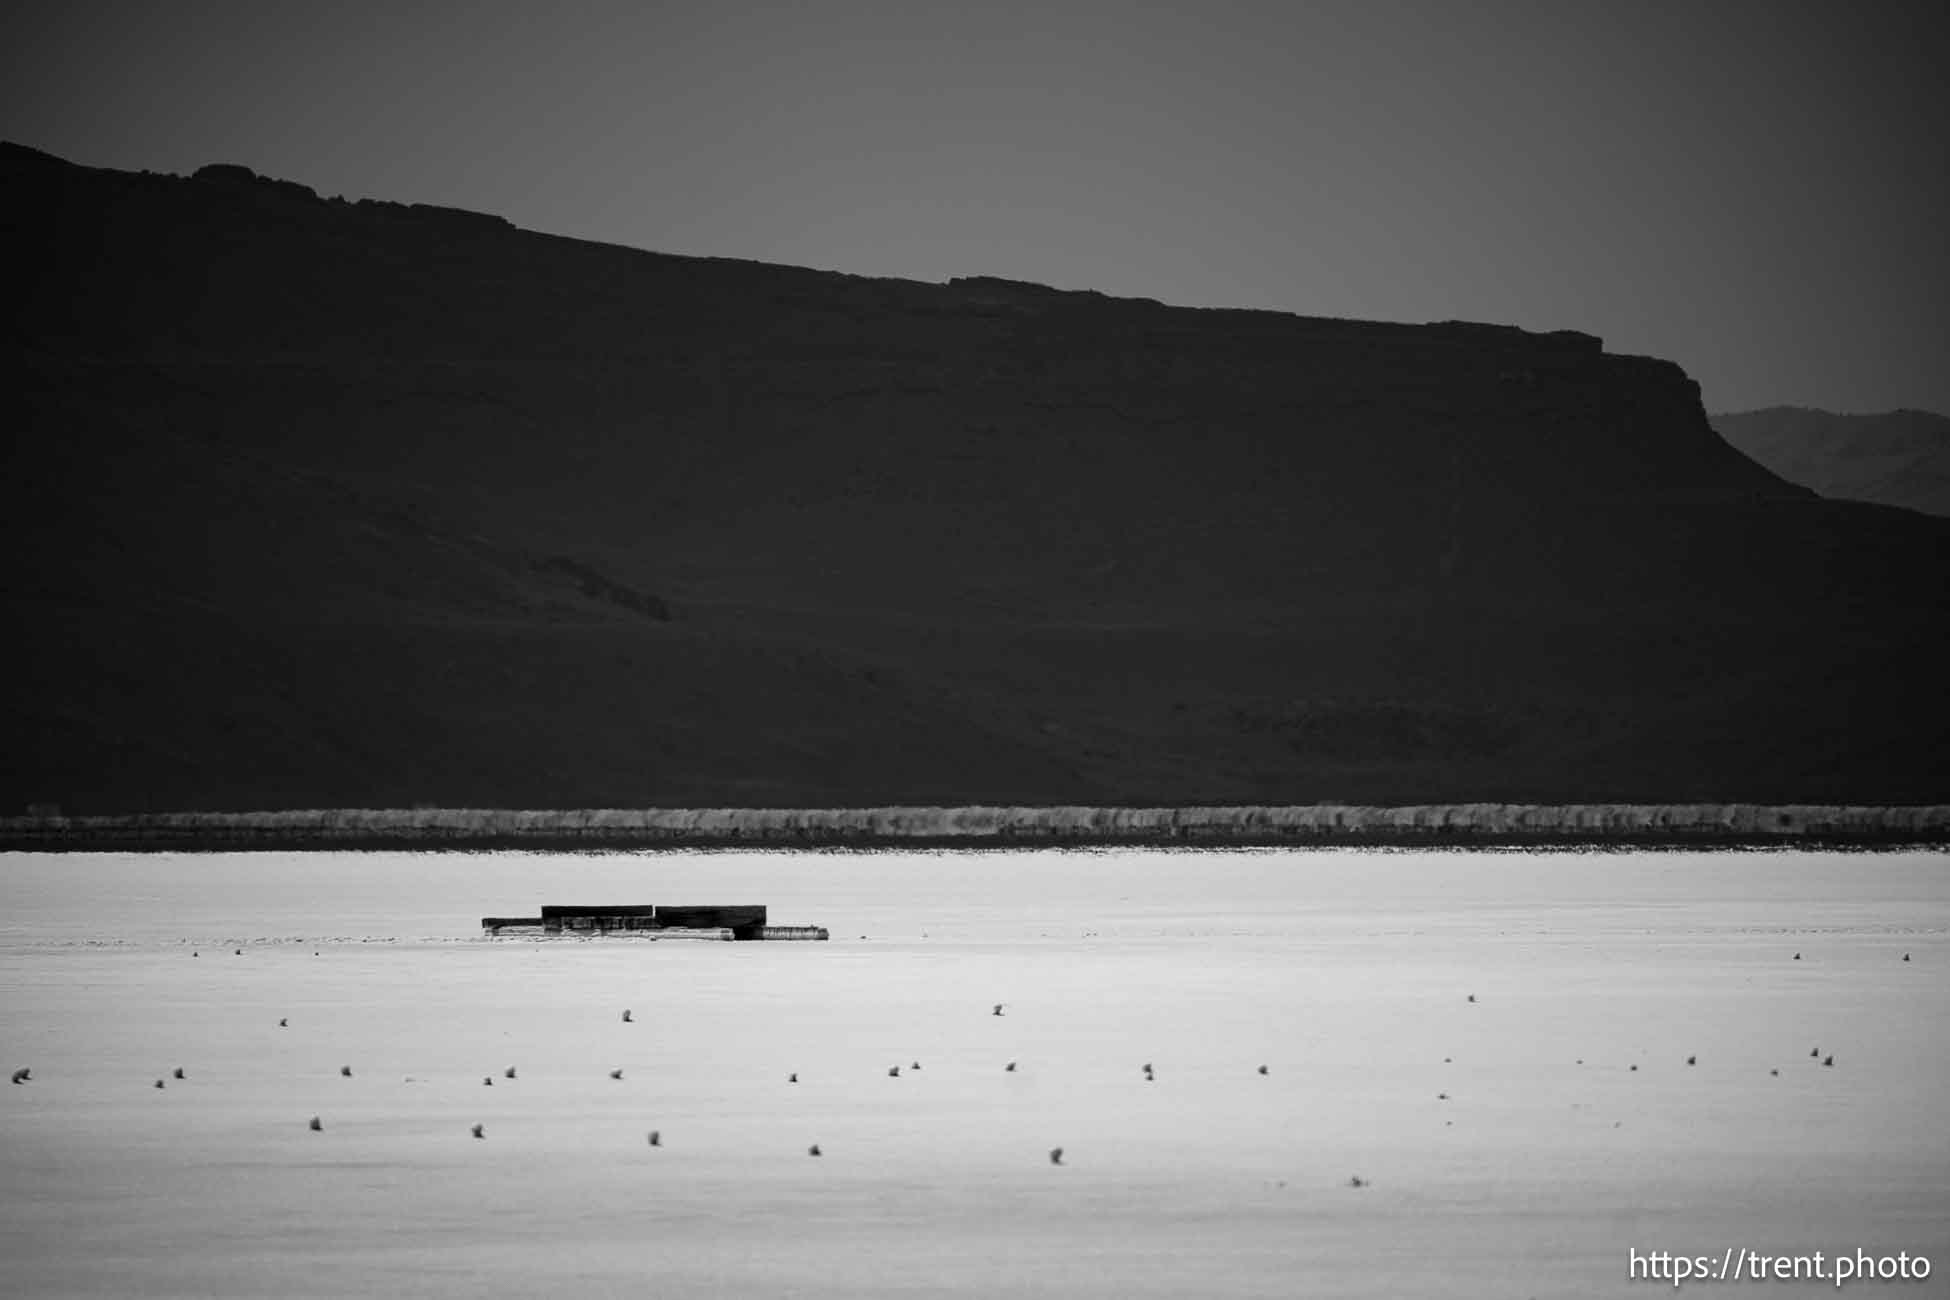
x=531, y=927
x=737, y=921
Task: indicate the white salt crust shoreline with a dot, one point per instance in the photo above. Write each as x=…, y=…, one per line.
x=1506, y=1145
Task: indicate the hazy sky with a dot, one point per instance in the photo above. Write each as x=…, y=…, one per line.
x=1755, y=190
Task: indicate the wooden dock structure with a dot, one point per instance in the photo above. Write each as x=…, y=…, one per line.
x=737, y=922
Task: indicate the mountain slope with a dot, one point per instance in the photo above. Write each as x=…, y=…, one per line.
x=315, y=502
x=1895, y=458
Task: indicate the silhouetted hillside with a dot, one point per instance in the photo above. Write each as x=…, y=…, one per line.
x=1896, y=458
x=320, y=503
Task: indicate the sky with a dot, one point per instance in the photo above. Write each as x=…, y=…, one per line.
x=1759, y=191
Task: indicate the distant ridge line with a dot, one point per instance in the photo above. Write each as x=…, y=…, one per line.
x=983, y=826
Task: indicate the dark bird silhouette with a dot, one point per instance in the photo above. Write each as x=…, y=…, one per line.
x=345, y=1072
x=510, y=1072
x=240, y=952
x=1056, y=1155
x=814, y=1150
x=178, y=1073
x=283, y=1023
x=1442, y=1096
x=894, y=1072
x=1775, y=1073
x=1905, y=956
x=1828, y=1060
x=478, y=1131
x=487, y=1081
x=656, y=1138
x=998, y=1006
x=915, y=1066
x=1472, y=997
x=1797, y=956
x=1357, y=1181
x=1635, y=1069
x=1692, y=1060
x=1262, y=1069
x=626, y=1016
x=316, y=1126
x=1010, y=1068
x=792, y=1078
x=615, y=1074
x=159, y=1083
x=1815, y=1052
x=21, y=1076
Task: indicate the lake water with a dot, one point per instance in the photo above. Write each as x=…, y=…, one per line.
x=1506, y=1145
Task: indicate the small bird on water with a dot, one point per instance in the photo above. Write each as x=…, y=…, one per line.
x=615, y=1074
x=1262, y=1069
x=316, y=1126
x=626, y=1016
x=998, y=1006
x=179, y=1072
x=478, y=1131
x=656, y=1137
x=1010, y=1068
x=1056, y=1155
x=894, y=1072
x=813, y=1150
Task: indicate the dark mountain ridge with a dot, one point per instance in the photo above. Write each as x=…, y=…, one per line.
x=1894, y=458
x=317, y=503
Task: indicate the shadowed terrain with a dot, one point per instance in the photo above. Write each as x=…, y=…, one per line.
x=1894, y=458
x=318, y=503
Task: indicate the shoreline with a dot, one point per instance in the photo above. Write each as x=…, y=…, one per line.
x=1482, y=825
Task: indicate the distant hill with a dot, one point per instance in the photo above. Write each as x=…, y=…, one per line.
x=311, y=502
x=1896, y=458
